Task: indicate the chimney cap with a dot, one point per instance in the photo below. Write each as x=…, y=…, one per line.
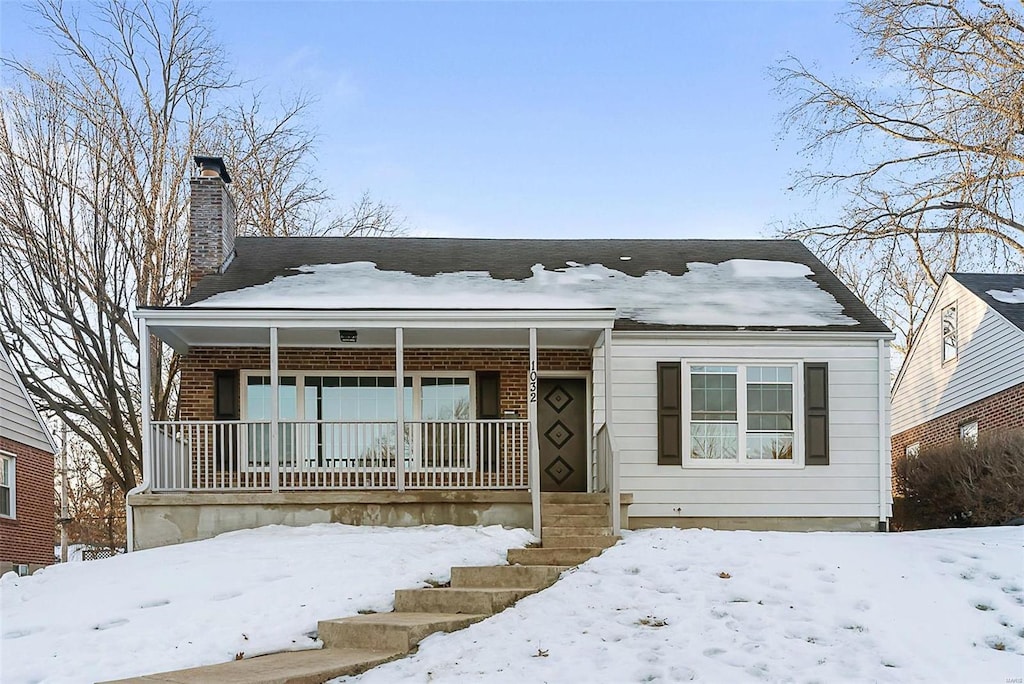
x=212, y=166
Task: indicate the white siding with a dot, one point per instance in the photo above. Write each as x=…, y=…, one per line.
x=847, y=487
x=19, y=421
x=990, y=359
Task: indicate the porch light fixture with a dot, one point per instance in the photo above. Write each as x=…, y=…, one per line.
x=347, y=335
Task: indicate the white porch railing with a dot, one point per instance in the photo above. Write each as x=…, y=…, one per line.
x=604, y=471
x=236, y=455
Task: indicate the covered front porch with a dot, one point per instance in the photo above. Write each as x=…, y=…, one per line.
x=301, y=411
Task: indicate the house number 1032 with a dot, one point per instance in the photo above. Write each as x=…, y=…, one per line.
x=533, y=383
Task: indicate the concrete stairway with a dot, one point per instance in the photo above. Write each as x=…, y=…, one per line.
x=574, y=530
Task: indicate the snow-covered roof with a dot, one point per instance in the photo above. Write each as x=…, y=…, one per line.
x=1004, y=292
x=685, y=284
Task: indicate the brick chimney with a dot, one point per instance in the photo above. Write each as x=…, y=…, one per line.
x=211, y=232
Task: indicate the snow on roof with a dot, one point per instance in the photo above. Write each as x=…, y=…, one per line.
x=738, y=292
x=1015, y=296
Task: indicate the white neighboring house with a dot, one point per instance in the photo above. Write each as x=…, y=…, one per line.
x=964, y=373
x=27, y=521
x=749, y=386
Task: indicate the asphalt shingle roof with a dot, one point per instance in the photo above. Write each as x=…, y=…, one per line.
x=980, y=283
x=259, y=260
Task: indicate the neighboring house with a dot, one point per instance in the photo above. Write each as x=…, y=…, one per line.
x=749, y=387
x=964, y=373
x=27, y=520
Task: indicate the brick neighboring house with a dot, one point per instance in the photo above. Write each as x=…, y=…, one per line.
x=26, y=477
x=964, y=374
x=725, y=383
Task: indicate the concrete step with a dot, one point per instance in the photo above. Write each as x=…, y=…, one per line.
x=575, y=520
x=573, y=497
x=585, y=542
x=506, y=576
x=563, y=556
x=547, y=532
x=548, y=509
x=293, y=667
x=397, y=632
x=476, y=601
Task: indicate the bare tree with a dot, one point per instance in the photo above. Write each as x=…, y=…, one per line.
x=926, y=145
x=95, y=157
x=96, y=505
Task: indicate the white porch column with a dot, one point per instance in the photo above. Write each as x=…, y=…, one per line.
x=531, y=414
x=146, y=383
x=275, y=414
x=400, y=405
x=613, y=470
x=146, y=378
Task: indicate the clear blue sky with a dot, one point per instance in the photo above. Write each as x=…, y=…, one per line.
x=537, y=119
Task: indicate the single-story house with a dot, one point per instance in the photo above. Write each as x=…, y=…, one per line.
x=964, y=373
x=722, y=383
x=27, y=515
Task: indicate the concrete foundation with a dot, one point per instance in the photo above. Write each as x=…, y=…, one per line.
x=762, y=524
x=163, y=519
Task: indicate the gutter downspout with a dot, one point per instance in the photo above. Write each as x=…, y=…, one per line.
x=147, y=453
x=884, y=443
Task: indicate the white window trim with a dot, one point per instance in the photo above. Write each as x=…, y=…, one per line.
x=13, y=515
x=417, y=389
x=742, y=462
x=955, y=305
x=912, y=450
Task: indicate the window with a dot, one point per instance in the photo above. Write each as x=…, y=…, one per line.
x=6, y=485
x=335, y=419
x=742, y=415
x=969, y=433
x=912, y=450
x=949, y=333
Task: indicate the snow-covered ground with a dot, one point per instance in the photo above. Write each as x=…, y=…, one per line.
x=253, y=591
x=671, y=605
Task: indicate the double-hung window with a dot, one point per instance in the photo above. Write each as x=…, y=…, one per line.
x=7, y=471
x=742, y=415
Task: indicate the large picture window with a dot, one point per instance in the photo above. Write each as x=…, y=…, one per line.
x=349, y=420
x=7, y=471
x=742, y=415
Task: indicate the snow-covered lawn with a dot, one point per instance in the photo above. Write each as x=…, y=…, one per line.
x=671, y=605
x=253, y=591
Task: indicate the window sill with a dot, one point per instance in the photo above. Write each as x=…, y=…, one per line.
x=746, y=465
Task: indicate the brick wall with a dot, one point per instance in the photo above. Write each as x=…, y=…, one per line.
x=29, y=537
x=1001, y=411
x=196, y=394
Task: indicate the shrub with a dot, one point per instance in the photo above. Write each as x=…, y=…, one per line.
x=961, y=484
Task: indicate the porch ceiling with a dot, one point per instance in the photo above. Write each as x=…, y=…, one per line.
x=183, y=329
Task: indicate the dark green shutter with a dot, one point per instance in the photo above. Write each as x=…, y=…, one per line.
x=488, y=394
x=226, y=406
x=816, y=413
x=225, y=395
x=488, y=407
x=670, y=426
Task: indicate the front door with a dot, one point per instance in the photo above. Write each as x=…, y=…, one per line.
x=562, y=433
